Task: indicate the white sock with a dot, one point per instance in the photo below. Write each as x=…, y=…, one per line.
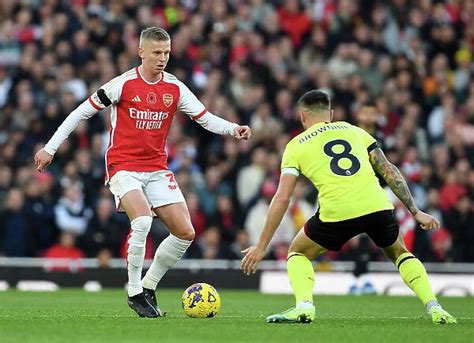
x=167, y=255
x=430, y=304
x=305, y=304
x=136, y=253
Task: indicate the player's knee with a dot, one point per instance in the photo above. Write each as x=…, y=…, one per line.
x=187, y=235
x=141, y=224
x=137, y=239
x=291, y=254
x=400, y=251
x=296, y=248
x=295, y=252
x=292, y=248
x=394, y=251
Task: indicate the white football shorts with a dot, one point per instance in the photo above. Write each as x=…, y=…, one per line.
x=159, y=187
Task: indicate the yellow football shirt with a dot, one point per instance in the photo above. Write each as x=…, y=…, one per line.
x=335, y=158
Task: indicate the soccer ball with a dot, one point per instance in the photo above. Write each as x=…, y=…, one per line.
x=201, y=300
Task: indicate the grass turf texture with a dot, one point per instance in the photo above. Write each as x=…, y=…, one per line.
x=77, y=316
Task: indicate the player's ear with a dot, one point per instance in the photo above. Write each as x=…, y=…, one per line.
x=302, y=117
x=140, y=52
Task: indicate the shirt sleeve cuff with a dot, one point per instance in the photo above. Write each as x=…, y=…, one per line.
x=372, y=146
x=292, y=171
x=49, y=150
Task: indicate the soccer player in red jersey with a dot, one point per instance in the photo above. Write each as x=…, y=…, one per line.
x=144, y=100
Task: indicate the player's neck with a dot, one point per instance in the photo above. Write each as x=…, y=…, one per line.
x=149, y=76
x=313, y=121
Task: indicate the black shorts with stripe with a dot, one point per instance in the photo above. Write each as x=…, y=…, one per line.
x=382, y=227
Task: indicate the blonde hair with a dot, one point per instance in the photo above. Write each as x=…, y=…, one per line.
x=155, y=33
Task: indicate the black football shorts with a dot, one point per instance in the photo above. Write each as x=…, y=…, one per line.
x=382, y=227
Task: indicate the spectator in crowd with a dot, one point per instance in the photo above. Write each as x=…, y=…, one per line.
x=210, y=190
x=210, y=246
x=459, y=221
x=250, y=178
x=300, y=209
x=103, y=231
x=65, y=250
x=240, y=243
x=256, y=217
x=226, y=218
x=72, y=215
x=198, y=218
x=15, y=228
x=39, y=209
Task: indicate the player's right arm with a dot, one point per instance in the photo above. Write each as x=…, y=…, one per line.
x=44, y=157
x=276, y=211
x=398, y=185
x=99, y=100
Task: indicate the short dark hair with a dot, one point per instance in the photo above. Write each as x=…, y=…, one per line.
x=315, y=100
x=155, y=33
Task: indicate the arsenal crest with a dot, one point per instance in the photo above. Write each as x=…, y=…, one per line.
x=151, y=98
x=167, y=99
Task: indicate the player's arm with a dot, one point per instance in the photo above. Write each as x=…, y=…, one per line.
x=394, y=179
x=276, y=211
x=221, y=126
x=190, y=104
x=84, y=111
x=398, y=185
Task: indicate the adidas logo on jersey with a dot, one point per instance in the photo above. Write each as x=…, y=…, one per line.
x=136, y=98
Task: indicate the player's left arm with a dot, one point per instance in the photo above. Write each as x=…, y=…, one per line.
x=221, y=126
x=190, y=104
x=394, y=179
x=276, y=211
x=398, y=185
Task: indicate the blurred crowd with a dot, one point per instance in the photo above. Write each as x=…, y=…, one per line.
x=410, y=63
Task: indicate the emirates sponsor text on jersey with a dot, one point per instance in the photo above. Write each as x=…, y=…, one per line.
x=146, y=119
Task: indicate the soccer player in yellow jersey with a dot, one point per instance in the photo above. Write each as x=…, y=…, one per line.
x=341, y=159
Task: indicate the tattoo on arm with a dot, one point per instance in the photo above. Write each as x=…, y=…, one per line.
x=394, y=179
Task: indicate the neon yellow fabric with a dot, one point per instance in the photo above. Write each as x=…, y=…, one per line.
x=301, y=275
x=414, y=274
x=334, y=157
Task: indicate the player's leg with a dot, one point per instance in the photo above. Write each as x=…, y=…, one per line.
x=127, y=189
x=136, y=206
x=383, y=229
x=178, y=221
x=411, y=270
x=300, y=268
x=301, y=275
x=415, y=277
x=169, y=205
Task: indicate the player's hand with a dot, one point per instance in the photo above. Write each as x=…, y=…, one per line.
x=253, y=256
x=242, y=132
x=427, y=221
x=42, y=160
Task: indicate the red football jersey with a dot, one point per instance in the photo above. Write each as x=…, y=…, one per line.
x=141, y=116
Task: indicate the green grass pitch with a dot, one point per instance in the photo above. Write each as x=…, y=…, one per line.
x=77, y=316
